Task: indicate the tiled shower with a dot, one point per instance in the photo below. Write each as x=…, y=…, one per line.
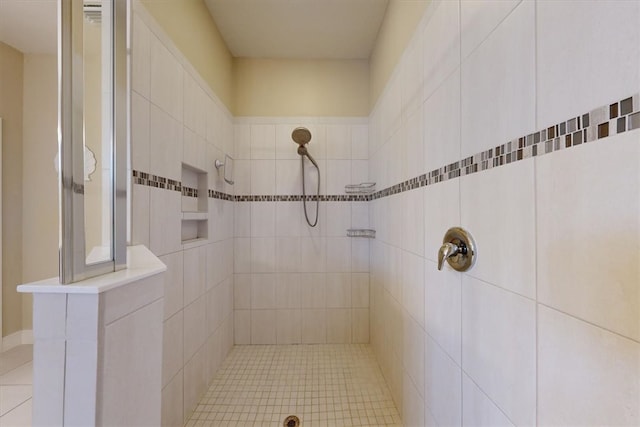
x=488, y=123
x=294, y=283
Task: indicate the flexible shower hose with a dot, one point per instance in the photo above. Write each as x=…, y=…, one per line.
x=304, y=194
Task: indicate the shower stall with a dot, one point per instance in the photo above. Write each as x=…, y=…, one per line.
x=512, y=169
x=292, y=300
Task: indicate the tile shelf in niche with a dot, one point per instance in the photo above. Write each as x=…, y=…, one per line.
x=194, y=243
x=194, y=215
x=195, y=204
x=361, y=232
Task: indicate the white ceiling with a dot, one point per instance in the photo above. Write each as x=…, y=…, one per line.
x=29, y=25
x=331, y=29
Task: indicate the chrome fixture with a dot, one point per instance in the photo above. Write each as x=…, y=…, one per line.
x=458, y=249
x=302, y=136
x=227, y=164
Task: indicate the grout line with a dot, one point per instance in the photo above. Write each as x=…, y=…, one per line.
x=493, y=30
x=487, y=396
x=575, y=317
x=536, y=207
x=493, y=285
x=460, y=276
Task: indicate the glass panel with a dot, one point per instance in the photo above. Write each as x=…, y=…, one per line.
x=98, y=119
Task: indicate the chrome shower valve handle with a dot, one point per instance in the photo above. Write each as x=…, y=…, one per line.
x=458, y=249
x=447, y=250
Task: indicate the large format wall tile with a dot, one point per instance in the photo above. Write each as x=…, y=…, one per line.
x=441, y=212
x=413, y=404
x=587, y=376
x=263, y=142
x=498, y=84
x=442, y=308
x=166, y=81
x=164, y=235
x=441, y=43
x=441, y=116
x=412, y=76
x=413, y=353
x=498, y=209
x=195, y=111
x=499, y=347
x=172, y=411
x=443, y=389
x=263, y=326
x=141, y=63
x=588, y=56
x=195, y=273
x=165, y=144
x=588, y=251
x=413, y=222
x=195, y=382
x=195, y=327
x=478, y=18
x=478, y=409
x=555, y=233
x=413, y=285
x=139, y=132
x=173, y=284
x=338, y=142
x=172, y=342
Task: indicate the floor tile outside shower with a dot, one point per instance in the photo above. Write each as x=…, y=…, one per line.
x=16, y=379
x=323, y=385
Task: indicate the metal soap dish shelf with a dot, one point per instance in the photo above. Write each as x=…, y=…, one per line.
x=361, y=232
x=362, y=188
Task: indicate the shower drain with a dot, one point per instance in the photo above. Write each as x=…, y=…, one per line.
x=291, y=421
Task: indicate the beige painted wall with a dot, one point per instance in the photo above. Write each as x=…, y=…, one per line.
x=291, y=87
x=11, y=72
x=194, y=32
x=39, y=178
x=399, y=23
x=273, y=87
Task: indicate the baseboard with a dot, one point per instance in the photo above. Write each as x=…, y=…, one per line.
x=15, y=339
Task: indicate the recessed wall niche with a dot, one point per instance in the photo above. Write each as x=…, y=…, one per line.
x=194, y=205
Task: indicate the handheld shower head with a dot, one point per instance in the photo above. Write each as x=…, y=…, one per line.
x=301, y=136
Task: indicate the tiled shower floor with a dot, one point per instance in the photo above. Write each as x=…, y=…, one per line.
x=323, y=384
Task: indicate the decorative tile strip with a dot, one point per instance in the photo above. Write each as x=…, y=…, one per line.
x=608, y=120
x=189, y=192
x=143, y=178
x=298, y=198
x=214, y=194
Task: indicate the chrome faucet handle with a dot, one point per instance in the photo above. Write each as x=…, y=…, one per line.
x=458, y=249
x=447, y=250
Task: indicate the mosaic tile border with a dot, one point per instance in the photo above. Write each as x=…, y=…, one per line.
x=149, y=180
x=608, y=120
x=214, y=194
x=298, y=198
x=612, y=119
